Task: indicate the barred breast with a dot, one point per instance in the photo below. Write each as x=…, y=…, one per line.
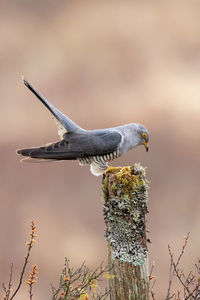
x=98, y=159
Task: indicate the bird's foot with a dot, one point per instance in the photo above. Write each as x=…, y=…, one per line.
x=112, y=170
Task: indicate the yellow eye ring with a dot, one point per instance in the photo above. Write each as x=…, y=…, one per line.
x=144, y=135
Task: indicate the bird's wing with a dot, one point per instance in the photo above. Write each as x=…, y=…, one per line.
x=78, y=145
x=64, y=123
x=94, y=142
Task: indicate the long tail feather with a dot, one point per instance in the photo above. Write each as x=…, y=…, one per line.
x=37, y=160
x=43, y=153
x=65, y=121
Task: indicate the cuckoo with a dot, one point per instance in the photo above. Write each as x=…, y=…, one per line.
x=90, y=147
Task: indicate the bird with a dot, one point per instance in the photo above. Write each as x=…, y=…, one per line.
x=90, y=147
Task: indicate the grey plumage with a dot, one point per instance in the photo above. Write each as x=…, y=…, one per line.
x=93, y=147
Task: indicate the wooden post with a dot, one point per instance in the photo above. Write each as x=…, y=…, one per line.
x=125, y=207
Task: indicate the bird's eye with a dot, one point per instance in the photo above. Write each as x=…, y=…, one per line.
x=144, y=135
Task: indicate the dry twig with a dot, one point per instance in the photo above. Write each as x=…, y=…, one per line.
x=29, y=245
x=32, y=280
x=79, y=284
x=189, y=283
x=152, y=277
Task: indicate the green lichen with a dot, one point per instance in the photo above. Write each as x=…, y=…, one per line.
x=105, y=188
x=125, y=195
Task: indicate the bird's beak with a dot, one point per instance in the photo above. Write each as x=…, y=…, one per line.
x=146, y=146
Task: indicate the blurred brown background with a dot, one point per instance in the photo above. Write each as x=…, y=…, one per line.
x=103, y=63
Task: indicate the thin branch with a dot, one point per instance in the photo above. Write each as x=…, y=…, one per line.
x=32, y=280
x=174, y=267
x=79, y=283
x=8, y=290
x=10, y=281
x=171, y=274
x=30, y=245
x=150, y=278
x=152, y=292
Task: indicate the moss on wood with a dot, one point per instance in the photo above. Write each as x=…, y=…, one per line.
x=125, y=206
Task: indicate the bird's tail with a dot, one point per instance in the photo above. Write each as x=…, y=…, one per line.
x=68, y=124
x=46, y=153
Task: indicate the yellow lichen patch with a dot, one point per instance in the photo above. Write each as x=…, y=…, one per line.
x=84, y=296
x=124, y=182
x=93, y=284
x=124, y=175
x=107, y=275
x=105, y=188
x=112, y=170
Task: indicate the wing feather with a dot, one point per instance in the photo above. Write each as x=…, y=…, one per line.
x=78, y=145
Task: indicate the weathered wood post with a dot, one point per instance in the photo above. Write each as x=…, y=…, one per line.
x=125, y=207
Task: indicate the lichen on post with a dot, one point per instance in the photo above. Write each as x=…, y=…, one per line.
x=125, y=206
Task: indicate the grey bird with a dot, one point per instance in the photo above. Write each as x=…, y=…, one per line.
x=90, y=147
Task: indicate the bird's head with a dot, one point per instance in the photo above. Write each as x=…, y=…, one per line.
x=143, y=136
